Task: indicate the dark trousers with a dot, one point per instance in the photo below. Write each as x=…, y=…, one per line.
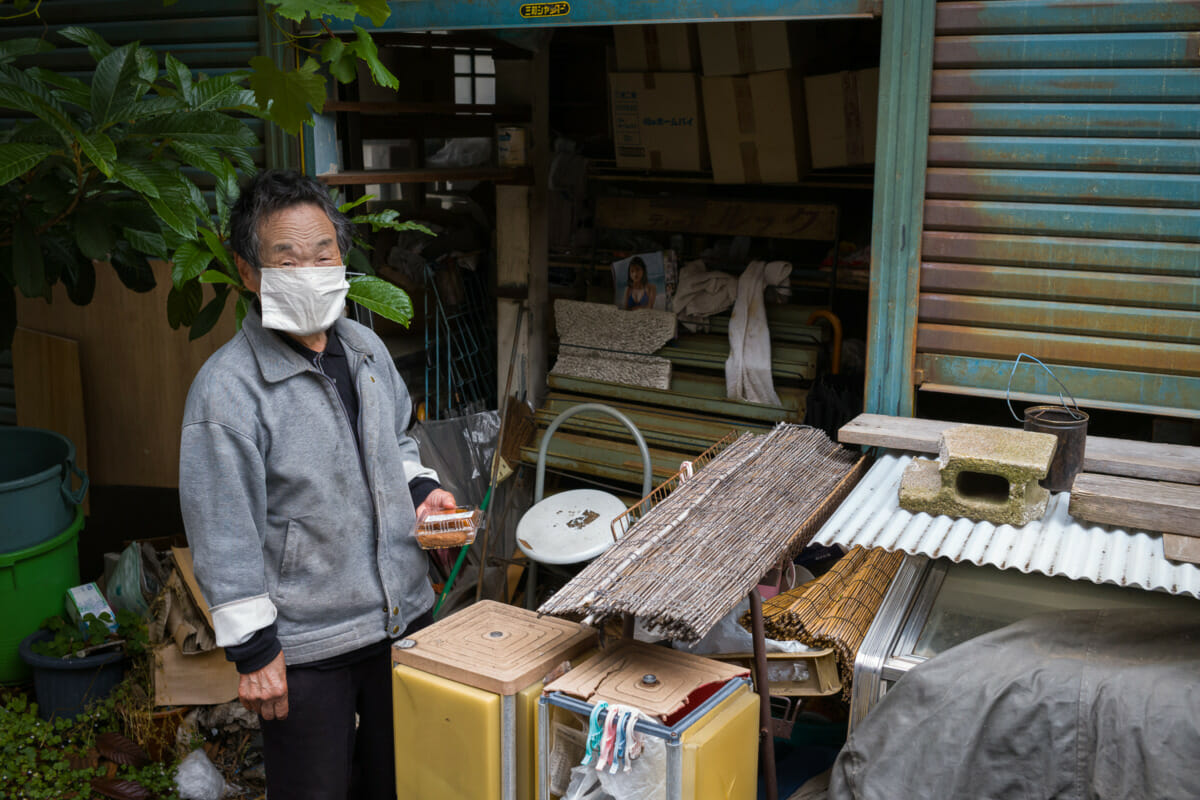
x=316, y=753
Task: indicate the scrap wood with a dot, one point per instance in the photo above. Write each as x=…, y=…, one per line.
x=1131, y=503
x=1153, y=460
x=694, y=555
x=837, y=609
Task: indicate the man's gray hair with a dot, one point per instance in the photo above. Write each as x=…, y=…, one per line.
x=275, y=190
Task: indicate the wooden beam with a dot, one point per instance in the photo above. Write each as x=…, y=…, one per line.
x=1140, y=504
x=805, y=221
x=363, y=177
x=1181, y=548
x=1150, y=460
x=507, y=112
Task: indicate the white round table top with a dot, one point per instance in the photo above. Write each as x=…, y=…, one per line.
x=569, y=527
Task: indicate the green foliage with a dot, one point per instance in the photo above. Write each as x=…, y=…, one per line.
x=56, y=759
x=68, y=640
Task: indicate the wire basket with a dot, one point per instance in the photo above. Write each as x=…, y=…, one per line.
x=451, y=529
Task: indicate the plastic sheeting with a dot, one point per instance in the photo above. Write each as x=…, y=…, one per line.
x=461, y=450
x=1072, y=705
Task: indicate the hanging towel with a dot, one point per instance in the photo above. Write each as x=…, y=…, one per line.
x=748, y=369
x=702, y=293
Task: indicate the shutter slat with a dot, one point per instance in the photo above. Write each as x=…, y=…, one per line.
x=1106, y=85
x=1166, y=120
x=1051, y=152
x=1048, y=16
x=1109, y=188
x=1069, y=50
x=1117, y=255
x=1123, y=222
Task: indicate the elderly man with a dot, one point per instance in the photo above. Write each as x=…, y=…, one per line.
x=300, y=493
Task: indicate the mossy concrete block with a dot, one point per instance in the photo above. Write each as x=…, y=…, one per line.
x=982, y=473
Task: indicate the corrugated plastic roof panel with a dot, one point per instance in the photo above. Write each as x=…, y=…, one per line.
x=1057, y=544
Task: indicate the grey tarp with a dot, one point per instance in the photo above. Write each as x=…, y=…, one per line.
x=1072, y=705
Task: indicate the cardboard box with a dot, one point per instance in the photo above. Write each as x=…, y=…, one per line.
x=740, y=48
x=88, y=599
x=656, y=48
x=201, y=679
x=842, y=115
x=761, y=137
x=657, y=121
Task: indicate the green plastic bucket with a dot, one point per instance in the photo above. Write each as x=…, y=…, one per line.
x=33, y=583
x=37, y=468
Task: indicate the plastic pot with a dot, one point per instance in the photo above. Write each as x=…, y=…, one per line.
x=65, y=686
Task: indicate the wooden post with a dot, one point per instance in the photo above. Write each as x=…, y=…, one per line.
x=539, y=231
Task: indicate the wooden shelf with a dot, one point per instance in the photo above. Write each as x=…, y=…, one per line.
x=427, y=175
x=499, y=112
x=853, y=180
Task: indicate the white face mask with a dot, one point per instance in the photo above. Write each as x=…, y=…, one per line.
x=302, y=300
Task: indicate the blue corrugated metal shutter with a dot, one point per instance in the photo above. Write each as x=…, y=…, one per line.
x=1062, y=213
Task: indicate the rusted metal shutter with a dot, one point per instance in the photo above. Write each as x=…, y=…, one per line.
x=1062, y=202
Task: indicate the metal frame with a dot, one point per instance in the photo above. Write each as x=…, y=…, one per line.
x=673, y=734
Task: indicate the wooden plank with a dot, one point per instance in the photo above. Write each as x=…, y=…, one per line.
x=364, y=177
x=1181, y=548
x=813, y=221
x=1112, y=255
x=1104, y=85
x=1150, y=460
x=515, y=112
x=1130, y=49
x=135, y=373
x=1127, y=322
x=1156, y=120
x=1136, y=504
x=1064, y=219
x=975, y=16
x=1088, y=351
x=1042, y=186
x=1095, y=387
x=1158, y=291
x=1065, y=152
x=48, y=389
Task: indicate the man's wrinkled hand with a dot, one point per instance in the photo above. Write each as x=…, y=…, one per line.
x=438, y=500
x=265, y=692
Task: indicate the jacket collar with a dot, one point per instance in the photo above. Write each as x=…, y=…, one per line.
x=277, y=361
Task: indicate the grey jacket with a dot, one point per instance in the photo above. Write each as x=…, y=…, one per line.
x=286, y=523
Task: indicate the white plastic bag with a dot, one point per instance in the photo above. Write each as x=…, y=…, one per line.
x=585, y=785
x=197, y=779
x=646, y=779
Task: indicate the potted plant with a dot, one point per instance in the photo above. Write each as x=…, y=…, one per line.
x=73, y=667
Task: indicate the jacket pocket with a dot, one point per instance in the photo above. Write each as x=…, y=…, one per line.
x=289, y=563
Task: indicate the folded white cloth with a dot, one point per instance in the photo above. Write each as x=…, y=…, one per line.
x=702, y=293
x=748, y=368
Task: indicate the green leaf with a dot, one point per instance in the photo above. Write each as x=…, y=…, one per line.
x=239, y=311
x=198, y=156
x=16, y=159
x=179, y=74
x=99, y=148
x=208, y=316
x=222, y=92
x=147, y=65
x=134, y=178
x=78, y=273
x=218, y=249
x=199, y=128
x=286, y=96
x=348, y=206
x=21, y=92
x=15, y=48
x=152, y=244
x=375, y=10
x=28, y=266
x=343, y=64
x=357, y=261
x=299, y=10
x=175, y=209
x=154, y=106
x=112, y=84
x=226, y=194
x=67, y=89
x=93, y=231
x=183, y=304
x=190, y=260
x=214, y=276
x=369, y=53
x=132, y=268
x=383, y=298
x=89, y=38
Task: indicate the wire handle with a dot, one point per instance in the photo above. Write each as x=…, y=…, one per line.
x=1075, y=413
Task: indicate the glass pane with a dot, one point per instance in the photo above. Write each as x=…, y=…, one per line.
x=485, y=90
x=462, y=90
x=976, y=600
x=484, y=65
x=462, y=63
